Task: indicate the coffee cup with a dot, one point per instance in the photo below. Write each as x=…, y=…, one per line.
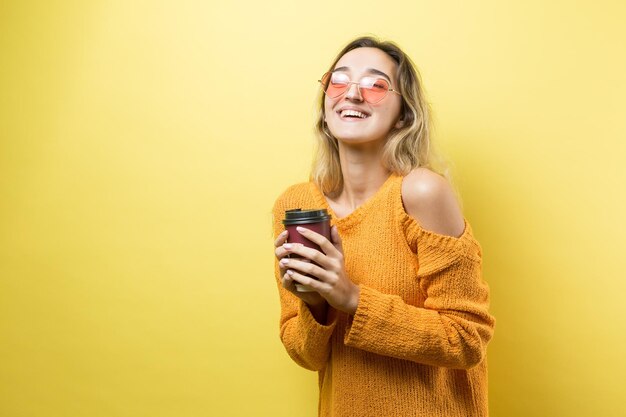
x=317, y=220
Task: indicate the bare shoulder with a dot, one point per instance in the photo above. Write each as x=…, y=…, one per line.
x=430, y=199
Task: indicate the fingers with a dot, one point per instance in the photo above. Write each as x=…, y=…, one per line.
x=302, y=291
x=306, y=252
x=305, y=268
x=282, y=238
x=312, y=283
x=327, y=247
x=280, y=251
x=287, y=282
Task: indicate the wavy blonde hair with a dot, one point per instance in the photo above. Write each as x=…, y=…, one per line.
x=407, y=147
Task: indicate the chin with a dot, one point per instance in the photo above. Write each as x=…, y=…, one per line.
x=348, y=136
x=356, y=140
x=356, y=134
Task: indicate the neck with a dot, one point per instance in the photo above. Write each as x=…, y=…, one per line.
x=363, y=173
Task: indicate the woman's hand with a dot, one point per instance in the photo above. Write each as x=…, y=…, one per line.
x=332, y=282
x=313, y=299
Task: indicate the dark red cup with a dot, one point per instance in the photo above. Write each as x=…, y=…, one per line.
x=317, y=220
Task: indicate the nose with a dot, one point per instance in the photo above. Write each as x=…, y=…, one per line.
x=354, y=92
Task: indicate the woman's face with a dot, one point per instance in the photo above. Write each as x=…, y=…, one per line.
x=375, y=120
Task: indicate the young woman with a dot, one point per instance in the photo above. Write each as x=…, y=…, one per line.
x=396, y=318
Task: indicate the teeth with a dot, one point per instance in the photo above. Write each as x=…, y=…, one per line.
x=345, y=113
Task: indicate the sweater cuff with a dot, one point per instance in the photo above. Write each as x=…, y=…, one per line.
x=313, y=330
x=361, y=316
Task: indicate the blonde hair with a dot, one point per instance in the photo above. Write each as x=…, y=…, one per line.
x=407, y=147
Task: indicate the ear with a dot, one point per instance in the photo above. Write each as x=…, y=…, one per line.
x=399, y=124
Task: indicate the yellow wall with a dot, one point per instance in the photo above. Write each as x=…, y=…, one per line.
x=142, y=145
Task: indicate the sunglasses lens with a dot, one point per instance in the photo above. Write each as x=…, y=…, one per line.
x=374, y=89
x=335, y=84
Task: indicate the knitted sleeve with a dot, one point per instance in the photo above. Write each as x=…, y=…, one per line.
x=306, y=340
x=452, y=328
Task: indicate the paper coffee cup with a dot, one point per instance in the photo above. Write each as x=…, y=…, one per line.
x=317, y=220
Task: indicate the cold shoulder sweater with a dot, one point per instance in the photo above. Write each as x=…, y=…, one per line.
x=416, y=345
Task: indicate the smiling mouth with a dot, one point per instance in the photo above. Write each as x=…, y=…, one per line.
x=352, y=114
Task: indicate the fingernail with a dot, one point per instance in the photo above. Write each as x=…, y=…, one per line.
x=284, y=261
x=290, y=272
x=301, y=229
x=287, y=245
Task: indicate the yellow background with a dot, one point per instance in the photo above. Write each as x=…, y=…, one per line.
x=142, y=144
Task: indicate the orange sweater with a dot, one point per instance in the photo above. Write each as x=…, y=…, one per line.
x=416, y=345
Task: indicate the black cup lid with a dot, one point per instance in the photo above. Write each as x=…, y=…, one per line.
x=299, y=216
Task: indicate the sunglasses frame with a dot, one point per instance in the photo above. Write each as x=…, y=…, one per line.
x=329, y=74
